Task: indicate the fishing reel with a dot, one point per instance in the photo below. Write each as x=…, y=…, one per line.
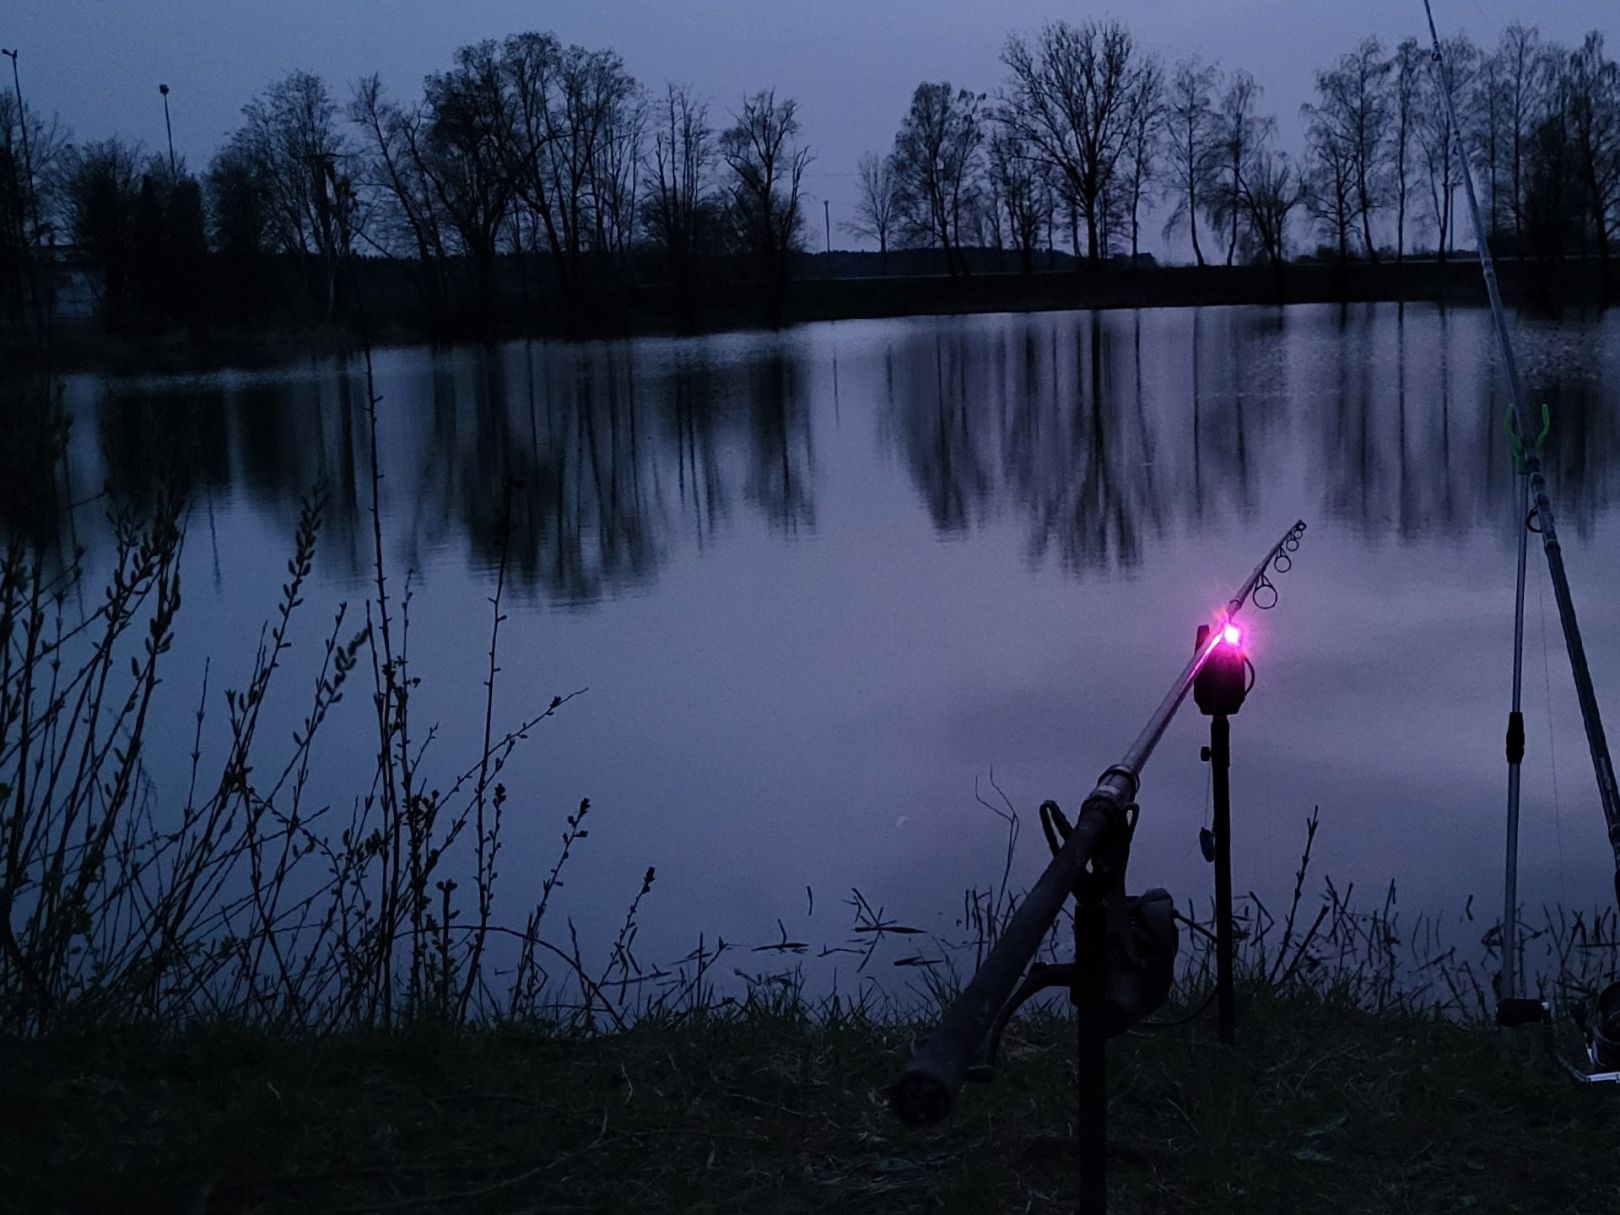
x=1600, y=1026
x=1599, y=1023
x=1139, y=941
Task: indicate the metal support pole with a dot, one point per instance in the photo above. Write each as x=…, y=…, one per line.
x=1091, y=1080
x=1220, y=759
x=169, y=127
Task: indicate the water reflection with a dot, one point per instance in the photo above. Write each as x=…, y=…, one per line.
x=781, y=451
x=1097, y=434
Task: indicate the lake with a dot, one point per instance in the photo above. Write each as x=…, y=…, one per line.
x=829, y=587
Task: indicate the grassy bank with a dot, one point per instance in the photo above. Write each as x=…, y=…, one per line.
x=1319, y=1107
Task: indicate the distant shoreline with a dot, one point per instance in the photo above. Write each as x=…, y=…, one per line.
x=652, y=311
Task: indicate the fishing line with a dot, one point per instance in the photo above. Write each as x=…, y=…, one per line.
x=1186, y=1018
x=1209, y=998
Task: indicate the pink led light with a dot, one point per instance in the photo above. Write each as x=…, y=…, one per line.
x=1232, y=635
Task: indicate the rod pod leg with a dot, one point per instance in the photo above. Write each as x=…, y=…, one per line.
x=1088, y=995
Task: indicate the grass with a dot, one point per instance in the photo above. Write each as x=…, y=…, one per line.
x=1319, y=1106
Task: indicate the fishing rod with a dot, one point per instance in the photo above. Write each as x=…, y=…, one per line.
x=1601, y=1024
x=1515, y=757
x=1088, y=863
x=1541, y=503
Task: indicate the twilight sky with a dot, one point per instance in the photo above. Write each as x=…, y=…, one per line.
x=851, y=63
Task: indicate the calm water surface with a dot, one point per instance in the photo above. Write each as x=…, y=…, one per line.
x=821, y=584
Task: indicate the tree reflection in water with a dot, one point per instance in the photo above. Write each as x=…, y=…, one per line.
x=1094, y=435
x=1093, y=428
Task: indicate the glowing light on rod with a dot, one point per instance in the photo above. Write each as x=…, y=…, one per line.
x=1232, y=635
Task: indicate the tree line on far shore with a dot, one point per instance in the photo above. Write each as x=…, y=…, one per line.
x=554, y=159
x=1087, y=131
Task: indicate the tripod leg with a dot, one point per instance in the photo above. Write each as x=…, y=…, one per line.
x=1220, y=759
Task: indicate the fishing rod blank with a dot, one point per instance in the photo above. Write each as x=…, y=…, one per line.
x=1515, y=756
x=939, y=1064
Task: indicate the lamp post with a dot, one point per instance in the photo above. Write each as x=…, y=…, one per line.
x=167, y=126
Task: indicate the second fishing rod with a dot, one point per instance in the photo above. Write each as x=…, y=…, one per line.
x=1540, y=500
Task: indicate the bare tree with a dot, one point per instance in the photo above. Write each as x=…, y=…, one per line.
x=238, y=204
x=876, y=213
x=1592, y=109
x=595, y=131
x=985, y=209
x=101, y=190
x=1112, y=210
x=616, y=178
x=1271, y=190
x=1352, y=110
x=27, y=197
x=17, y=209
x=532, y=65
x=572, y=155
x=1024, y=189
x=1068, y=99
x=1486, y=136
x=18, y=202
x=1239, y=135
x=1524, y=72
x=394, y=175
x=1069, y=203
x=462, y=157
x=1190, y=145
x=28, y=179
x=766, y=169
x=1438, y=142
x=1330, y=183
x=1144, y=136
x=300, y=166
x=1408, y=70
x=678, y=205
x=1549, y=206
x=936, y=167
